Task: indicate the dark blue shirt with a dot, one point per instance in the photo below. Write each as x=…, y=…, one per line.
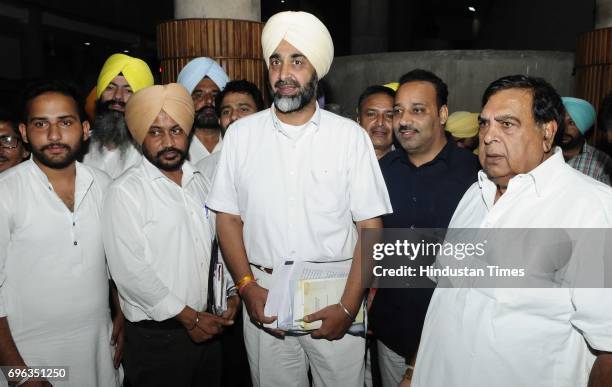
x=421, y=197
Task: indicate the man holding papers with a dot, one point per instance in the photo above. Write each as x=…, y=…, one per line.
x=294, y=185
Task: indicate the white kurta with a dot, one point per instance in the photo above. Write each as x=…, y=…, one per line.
x=158, y=237
x=197, y=150
x=53, y=275
x=113, y=162
x=521, y=337
x=298, y=197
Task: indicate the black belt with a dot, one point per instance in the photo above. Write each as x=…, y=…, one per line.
x=159, y=325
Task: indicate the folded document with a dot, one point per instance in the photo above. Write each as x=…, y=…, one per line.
x=301, y=288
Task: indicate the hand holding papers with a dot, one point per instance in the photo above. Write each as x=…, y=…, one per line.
x=303, y=288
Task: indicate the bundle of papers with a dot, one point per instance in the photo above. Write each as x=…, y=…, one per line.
x=301, y=288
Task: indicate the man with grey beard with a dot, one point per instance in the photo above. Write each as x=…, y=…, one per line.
x=111, y=148
x=297, y=183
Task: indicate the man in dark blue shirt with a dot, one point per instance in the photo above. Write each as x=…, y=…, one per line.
x=425, y=178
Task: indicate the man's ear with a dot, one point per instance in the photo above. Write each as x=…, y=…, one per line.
x=549, y=130
x=443, y=114
x=22, y=131
x=86, y=130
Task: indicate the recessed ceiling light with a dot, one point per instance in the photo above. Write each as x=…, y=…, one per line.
x=471, y=9
x=282, y=1
x=126, y=51
x=87, y=43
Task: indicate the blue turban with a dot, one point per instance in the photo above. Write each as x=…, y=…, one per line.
x=582, y=113
x=197, y=69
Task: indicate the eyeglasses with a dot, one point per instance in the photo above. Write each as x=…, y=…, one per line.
x=9, y=142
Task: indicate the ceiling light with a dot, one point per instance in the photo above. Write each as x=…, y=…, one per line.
x=126, y=51
x=471, y=9
x=87, y=43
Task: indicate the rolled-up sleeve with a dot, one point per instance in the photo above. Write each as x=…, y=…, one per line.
x=125, y=246
x=368, y=192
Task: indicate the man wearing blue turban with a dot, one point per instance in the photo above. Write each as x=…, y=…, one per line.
x=204, y=78
x=579, y=118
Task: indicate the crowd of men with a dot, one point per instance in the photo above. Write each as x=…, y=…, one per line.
x=113, y=226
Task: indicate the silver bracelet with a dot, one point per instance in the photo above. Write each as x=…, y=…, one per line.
x=22, y=381
x=346, y=311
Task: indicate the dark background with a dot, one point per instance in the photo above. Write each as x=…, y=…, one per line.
x=48, y=37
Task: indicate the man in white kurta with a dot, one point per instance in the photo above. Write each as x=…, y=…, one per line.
x=291, y=182
x=521, y=337
x=54, y=288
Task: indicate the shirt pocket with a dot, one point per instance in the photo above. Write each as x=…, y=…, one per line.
x=327, y=192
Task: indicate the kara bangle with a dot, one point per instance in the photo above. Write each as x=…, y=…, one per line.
x=349, y=314
x=231, y=292
x=23, y=381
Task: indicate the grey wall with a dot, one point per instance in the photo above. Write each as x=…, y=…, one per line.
x=467, y=73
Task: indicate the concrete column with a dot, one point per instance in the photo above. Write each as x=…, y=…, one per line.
x=215, y=9
x=369, y=21
x=603, y=14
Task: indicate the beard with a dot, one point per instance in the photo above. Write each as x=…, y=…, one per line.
x=71, y=155
x=168, y=166
x=109, y=127
x=206, y=118
x=573, y=143
x=290, y=104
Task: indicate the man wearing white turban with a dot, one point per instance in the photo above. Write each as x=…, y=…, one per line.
x=297, y=183
x=204, y=78
x=158, y=241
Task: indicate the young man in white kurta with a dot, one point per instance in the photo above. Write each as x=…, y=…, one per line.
x=54, y=288
x=297, y=189
x=520, y=337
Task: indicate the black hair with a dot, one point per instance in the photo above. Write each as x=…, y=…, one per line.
x=371, y=90
x=8, y=117
x=420, y=75
x=40, y=87
x=240, y=86
x=547, y=105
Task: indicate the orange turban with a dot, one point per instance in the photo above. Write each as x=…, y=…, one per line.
x=145, y=105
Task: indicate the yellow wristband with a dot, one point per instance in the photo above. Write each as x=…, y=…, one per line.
x=245, y=280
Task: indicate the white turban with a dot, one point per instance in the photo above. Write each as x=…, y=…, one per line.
x=197, y=69
x=303, y=31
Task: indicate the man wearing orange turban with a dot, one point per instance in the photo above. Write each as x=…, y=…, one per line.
x=158, y=238
x=111, y=146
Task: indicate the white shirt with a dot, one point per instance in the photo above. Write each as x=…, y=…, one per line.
x=521, y=337
x=197, y=150
x=298, y=199
x=53, y=276
x=113, y=162
x=158, y=237
x=208, y=165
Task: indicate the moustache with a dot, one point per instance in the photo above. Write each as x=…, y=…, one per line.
x=406, y=128
x=114, y=102
x=291, y=83
x=3, y=159
x=169, y=149
x=55, y=144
